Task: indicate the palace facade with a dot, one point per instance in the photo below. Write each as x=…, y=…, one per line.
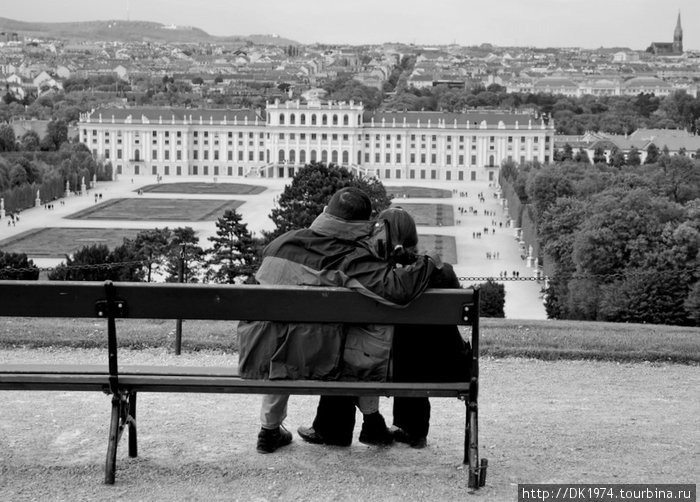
x=177, y=143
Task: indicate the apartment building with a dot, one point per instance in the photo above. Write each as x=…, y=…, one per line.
x=225, y=144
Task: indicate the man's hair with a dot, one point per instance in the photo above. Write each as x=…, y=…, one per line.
x=350, y=203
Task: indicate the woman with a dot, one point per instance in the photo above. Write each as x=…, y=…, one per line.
x=419, y=353
x=422, y=353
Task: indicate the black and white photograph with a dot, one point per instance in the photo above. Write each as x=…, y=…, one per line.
x=349, y=251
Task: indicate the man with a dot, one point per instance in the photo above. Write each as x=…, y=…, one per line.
x=335, y=250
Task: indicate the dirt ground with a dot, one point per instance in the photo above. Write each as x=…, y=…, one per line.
x=540, y=422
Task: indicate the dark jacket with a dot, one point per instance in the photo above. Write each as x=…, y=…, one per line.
x=433, y=353
x=331, y=252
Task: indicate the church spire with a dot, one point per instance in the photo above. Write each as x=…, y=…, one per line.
x=678, y=36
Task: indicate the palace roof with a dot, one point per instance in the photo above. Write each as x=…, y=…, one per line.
x=141, y=115
x=472, y=119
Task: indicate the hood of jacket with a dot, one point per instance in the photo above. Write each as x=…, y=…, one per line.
x=349, y=230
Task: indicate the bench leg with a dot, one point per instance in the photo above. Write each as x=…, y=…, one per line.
x=111, y=463
x=131, y=420
x=123, y=414
x=477, y=470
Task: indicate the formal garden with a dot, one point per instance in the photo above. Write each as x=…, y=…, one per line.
x=152, y=209
x=192, y=187
x=61, y=241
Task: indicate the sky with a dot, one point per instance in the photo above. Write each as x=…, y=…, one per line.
x=533, y=23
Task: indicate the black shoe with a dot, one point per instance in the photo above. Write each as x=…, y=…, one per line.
x=402, y=436
x=374, y=431
x=271, y=439
x=310, y=435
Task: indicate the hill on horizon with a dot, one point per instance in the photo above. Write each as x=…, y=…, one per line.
x=128, y=31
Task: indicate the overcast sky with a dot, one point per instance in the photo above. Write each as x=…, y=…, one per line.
x=539, y=23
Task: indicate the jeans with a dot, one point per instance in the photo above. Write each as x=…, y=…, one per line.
x=273, y=410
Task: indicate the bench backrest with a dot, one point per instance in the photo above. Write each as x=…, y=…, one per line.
x=229, y=302
x=110, y=300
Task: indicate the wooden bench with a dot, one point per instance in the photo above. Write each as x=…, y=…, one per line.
x=110, y=301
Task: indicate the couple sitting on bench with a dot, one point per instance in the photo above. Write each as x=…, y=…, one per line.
x=344, y=248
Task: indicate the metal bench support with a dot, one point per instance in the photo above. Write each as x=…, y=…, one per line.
x=123, y=401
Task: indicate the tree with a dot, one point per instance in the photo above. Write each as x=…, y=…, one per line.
x=235, y=254
x=184, y=247
x=582, y=156
x=653, y=154
x=56, y=135
x=18, y=176
x=492, y=297
x=621, y=228
x=558, y=228
x=30, y=141
x=89, y=263
x=567, y=153
x=7, y=138
x=546, y=186
x=347, y=89
x=633, y=157
x=311, y=189
x=599, y=155
x=617, y=157
x=680, y=180
x=128, y=264
x=692, y=303
x=644, y=296
x=16, y=266
x=153, y=246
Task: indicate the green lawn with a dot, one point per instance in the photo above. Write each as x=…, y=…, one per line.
x=58, y=242
x=146, y=209
x=550, y=340
x=590, y=340
x=191, y=187
x=408, y=192
x=444, y=245
x=428, y=214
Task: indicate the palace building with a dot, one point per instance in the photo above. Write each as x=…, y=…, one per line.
x=177, y=143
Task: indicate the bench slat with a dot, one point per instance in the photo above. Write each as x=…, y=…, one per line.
x=228, y=302
x=202, y=379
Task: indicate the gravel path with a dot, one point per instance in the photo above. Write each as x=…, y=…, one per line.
x=541, y=422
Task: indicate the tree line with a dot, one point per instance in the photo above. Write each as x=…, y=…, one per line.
x=618, y=244
x=32, y=163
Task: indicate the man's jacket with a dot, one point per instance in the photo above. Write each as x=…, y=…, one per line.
x=331, y=252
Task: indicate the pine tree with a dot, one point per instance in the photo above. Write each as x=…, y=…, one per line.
x=235, y=253
x=153, y=246
x=184, y=245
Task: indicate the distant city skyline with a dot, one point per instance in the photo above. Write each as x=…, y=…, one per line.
x=535, y=23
